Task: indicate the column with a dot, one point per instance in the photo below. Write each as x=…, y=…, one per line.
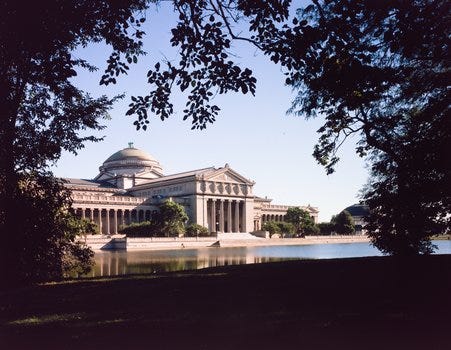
x=213, y=214
x=129, y=216
x=229, y=216
x=83, y=213
x=115, y=221
x=209, y=215
x=91, y=213
x=100, y=221
x=221, y=215
x=243, y=218
x=107, y=221
x=122, y=217
x=237, y=216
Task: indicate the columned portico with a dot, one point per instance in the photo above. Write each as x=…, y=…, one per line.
x=226, y=215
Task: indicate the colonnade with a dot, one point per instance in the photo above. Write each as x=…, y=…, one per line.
x=226, y=215
x=109, y=220
x=272, y=217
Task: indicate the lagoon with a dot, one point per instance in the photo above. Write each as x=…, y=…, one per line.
x=114, y=263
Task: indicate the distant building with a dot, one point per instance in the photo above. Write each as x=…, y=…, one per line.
x=358, y=213
x=131, y=184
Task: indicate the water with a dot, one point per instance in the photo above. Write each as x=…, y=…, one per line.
x=112, y=263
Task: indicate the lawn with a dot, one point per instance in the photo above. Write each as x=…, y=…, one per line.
x=361, y=303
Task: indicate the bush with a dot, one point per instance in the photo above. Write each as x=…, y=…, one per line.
x=326, y=228
x=311, y=230
x=138, y=229
x=286, y=228
x=271, y=227
x=194, y=230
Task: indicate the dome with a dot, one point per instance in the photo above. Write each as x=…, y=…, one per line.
x=129, y=161
x=358, y=210
x=130, y=154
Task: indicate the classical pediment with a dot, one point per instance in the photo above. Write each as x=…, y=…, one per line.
x=227, y=175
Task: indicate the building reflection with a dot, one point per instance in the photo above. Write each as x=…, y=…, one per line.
x=114, y=263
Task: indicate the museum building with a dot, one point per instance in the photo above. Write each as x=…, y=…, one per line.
x=131, y=185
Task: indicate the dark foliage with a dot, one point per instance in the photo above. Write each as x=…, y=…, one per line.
x=169, y=220
x=325, y=228
x=380, y=70
x=43, y=244
x=410, y=197
x=279, y=227
x=139, y=229
x=204, y=33
x=195, y=230
x=343, y=223
x=42, y=113
x=301, y=220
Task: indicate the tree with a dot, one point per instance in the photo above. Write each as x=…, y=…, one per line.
x=170, y=219
x=343, y=223
x=44, y=241
x=326, y=228
x=409, y=196
x=271, y=227
x=302, y=221
x=379, y=69
x=139, y=229
x=86, y=227
x=42, y=114
x=206, y=67
x=286, y=228
x=195, y=230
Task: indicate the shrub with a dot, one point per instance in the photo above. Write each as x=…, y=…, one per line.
x=271, y=227
x=138, y=229
x=194, y=230
x=286, y=228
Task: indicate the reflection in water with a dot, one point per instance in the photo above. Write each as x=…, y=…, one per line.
x=111, y=263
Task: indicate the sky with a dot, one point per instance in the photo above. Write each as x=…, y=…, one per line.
x=253, y=134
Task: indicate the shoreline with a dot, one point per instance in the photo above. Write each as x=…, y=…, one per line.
x=309, y=240
x=120, y=242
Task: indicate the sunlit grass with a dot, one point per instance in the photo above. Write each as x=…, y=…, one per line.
x=46, y=319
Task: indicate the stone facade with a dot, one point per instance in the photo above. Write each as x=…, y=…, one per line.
x=131, y=185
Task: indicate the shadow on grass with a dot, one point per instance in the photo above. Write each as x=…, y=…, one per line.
x=355, y=303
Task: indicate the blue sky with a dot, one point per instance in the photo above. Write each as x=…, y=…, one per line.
x=253, y=134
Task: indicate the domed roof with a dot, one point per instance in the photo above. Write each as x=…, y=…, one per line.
x=358, y=210
x=130, y=153
x=130, y=161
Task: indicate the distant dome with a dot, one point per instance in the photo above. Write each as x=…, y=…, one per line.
x=130, y=160
x=130, y=154
x=358, y=210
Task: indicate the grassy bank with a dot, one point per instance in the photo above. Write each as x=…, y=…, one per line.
x=363, y=303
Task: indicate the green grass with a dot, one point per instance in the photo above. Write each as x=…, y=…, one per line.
x=363, y=303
